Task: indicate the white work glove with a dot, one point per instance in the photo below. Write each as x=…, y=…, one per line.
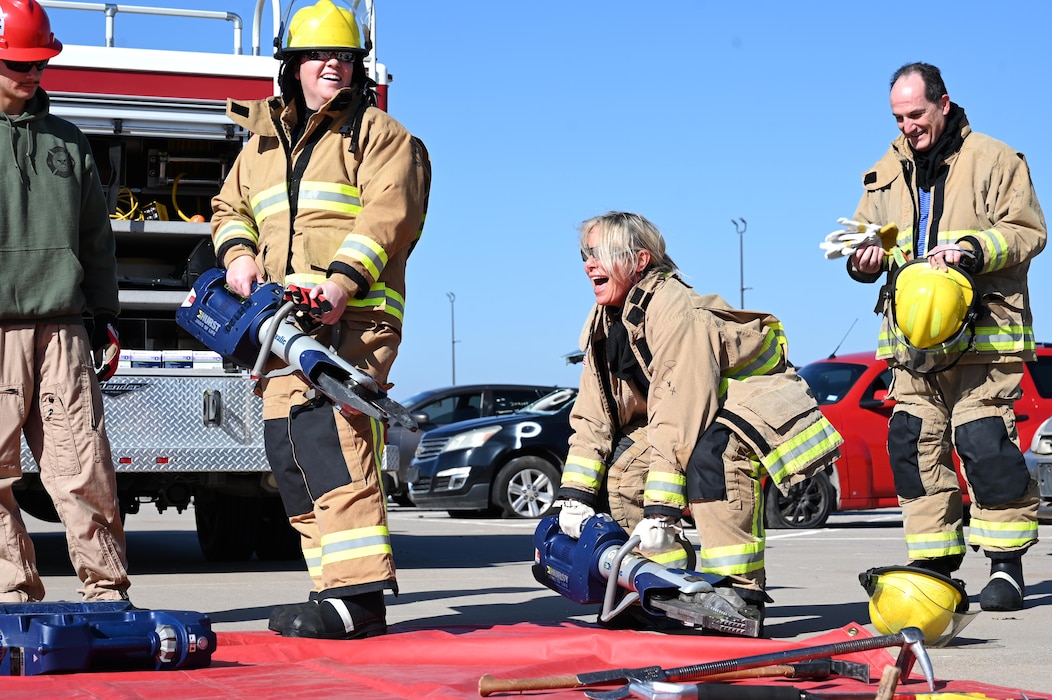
x=573, y=516
x=855, y=235
x=657, y=534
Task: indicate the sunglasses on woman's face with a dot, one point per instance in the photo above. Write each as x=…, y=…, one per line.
x=25, y=66
x=342, y=56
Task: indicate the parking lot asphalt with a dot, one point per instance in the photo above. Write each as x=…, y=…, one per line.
x=476, y=573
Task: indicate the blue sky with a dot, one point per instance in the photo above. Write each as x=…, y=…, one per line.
x=694, y=114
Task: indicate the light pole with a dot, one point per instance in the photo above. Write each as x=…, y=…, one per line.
x=452, y=335
x=741, y=256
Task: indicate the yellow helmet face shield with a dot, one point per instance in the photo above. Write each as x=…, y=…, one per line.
x=912, y=597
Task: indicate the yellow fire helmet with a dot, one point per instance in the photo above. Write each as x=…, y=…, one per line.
x=909, y=596
x=322, y=25
x=931, y=306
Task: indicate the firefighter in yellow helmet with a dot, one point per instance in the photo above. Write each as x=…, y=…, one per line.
x=960, y=198
x=328, y=199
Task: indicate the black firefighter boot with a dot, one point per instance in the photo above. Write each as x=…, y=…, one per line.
x=350, y=617
x=1005, y=589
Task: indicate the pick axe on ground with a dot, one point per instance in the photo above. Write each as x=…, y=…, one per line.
x=910, y=639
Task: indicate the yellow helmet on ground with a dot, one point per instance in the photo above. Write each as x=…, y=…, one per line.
x=323, y=25
x=931, y=305
x=909, y=596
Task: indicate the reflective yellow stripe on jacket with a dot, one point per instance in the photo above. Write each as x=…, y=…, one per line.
x=996, y=248
x=379, y=294
x=1005, y=339
x=801, y=450
x=584, y=473
x=313, y=195
x=365, y=251
x=236, y=229
x=667, y=487
x=767, y=359
x=775, y=347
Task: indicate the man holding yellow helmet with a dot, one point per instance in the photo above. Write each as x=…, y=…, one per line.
x=957, y=329
x=328, y=199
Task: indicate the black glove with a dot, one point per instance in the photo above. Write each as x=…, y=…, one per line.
x=105, y=346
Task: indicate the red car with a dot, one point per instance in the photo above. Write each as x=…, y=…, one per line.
x=852, y=392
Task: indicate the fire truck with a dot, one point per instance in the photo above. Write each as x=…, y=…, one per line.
x=185, y=428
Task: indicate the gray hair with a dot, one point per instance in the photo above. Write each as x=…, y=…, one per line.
x=619, y=236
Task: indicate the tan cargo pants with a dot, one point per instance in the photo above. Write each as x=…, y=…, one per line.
x=49, y=393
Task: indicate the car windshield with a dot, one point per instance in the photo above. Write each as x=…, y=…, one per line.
x=551, y=403
x=420, y=398
x=830, y=381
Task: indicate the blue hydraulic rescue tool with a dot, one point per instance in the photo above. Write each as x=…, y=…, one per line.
x=247, y=330
x=601, y=567
x=69, y=637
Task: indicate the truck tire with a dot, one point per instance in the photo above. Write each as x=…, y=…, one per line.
x=276, y=539
x=525, y=487
x=226, y=526
x=807, y=505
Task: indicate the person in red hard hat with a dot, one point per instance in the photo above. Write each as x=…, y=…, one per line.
x=58, y=264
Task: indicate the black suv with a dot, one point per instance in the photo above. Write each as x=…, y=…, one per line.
x=509, y=465
x=438, y=407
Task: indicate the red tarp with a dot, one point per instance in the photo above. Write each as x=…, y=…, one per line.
x=447, y=663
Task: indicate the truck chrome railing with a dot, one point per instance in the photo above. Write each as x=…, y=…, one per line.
x=112, y=9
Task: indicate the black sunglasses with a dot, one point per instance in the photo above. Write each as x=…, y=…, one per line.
x=25, y=66
x=344, y=56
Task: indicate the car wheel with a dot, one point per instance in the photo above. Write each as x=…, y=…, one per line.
x=525, y=487
x=807, y=504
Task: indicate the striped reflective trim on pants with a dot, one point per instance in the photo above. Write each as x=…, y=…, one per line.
x=355, y=544
x=733, y=559
x=985, y=534
x=932, y=545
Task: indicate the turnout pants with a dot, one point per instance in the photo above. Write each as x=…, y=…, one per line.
x=967, y=408
x=726, y=499
x=48, y=392
x=327, y=467
x=625, y=481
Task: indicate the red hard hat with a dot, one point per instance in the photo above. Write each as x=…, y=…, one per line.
x=25, y=32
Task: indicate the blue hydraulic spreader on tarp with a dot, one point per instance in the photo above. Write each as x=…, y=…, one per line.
x=39, y=638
